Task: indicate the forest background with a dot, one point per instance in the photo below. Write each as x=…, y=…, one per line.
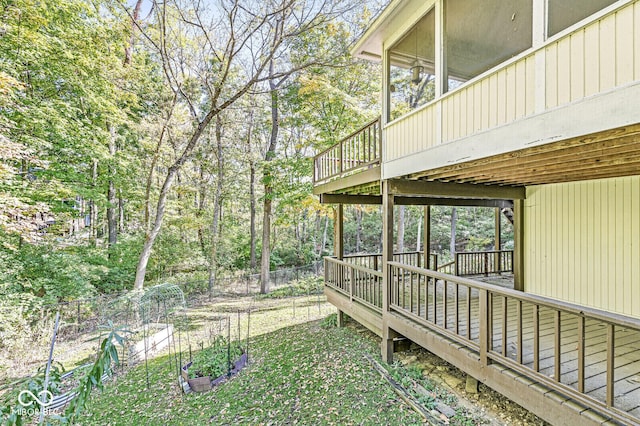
x=146, y=141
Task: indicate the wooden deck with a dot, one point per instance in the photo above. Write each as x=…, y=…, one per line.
x=583, y=359
x=627, y=348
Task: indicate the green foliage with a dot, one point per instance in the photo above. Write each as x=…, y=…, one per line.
x=107, y=358
x=301, y=287
x=329, y=321
x=92, y=378
x=215, y=360
x=10, y=406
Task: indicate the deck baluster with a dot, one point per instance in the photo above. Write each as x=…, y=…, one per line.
x=611, y=344
x=457, y=308
x=411, y=291
x=483, y=300
x=435, y=301
x=519, y=325
x=468, y=312
x=504, y=325
x=581, y=353
x=558, y=361
x=445, y=298
x=536, y=338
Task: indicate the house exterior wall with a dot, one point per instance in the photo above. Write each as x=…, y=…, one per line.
x=582, y=243
x=571, y=67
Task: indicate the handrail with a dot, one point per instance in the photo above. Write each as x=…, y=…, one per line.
x=446, y=267
x=354, y=266
x=359, y=149
x=449, y=305
x=359, y=283
x=374, y=260
x=609, y=317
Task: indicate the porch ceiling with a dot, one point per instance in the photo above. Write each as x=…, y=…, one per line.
x=613, y=153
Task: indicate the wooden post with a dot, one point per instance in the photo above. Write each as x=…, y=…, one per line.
x=426, y=239
x=497, y=264
x=484, y=337
x=442, y=71
x=518, y=244
x=387, y=256
x=338, y=240
x=340, y=322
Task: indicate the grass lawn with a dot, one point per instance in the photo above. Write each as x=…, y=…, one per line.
x=307, y=373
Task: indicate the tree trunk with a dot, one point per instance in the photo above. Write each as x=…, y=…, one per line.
x=266, y=243
x=112, y=204
x=120, y=213
x=215, y=228
x=129, y=48
x=154, y=162
x=93, y=209
x=252, y=197
x=268, y=189
x=152, y=234
x=252, y=207
x=202, y=204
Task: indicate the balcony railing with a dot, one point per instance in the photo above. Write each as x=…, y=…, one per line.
x=587, y=354
x=483, y=262
x=374, y=261
x=354, y=281
x=359, y=150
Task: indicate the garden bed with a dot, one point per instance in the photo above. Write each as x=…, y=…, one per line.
x=212, y=366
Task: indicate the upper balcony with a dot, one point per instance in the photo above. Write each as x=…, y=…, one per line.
x=524, y=93
x=352, y=165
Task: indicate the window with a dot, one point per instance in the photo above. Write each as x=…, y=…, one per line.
x=564, y=13
x=483, y=33
x=479, y=34
x=411, y=68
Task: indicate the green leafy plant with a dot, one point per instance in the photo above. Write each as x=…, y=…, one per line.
x=35, y=385
x=214, y=361
x=107, y=356
x=329, y=321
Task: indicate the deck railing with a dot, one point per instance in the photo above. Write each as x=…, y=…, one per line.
x=587, y=354
x=484, y=262
x=359, y=150
x=374, y=261
x=357, y=282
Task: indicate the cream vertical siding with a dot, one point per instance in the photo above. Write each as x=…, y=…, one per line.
x=595, y=58
x=412, y=133
x=582, y=243
x=492, y=101
x=598, y=57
